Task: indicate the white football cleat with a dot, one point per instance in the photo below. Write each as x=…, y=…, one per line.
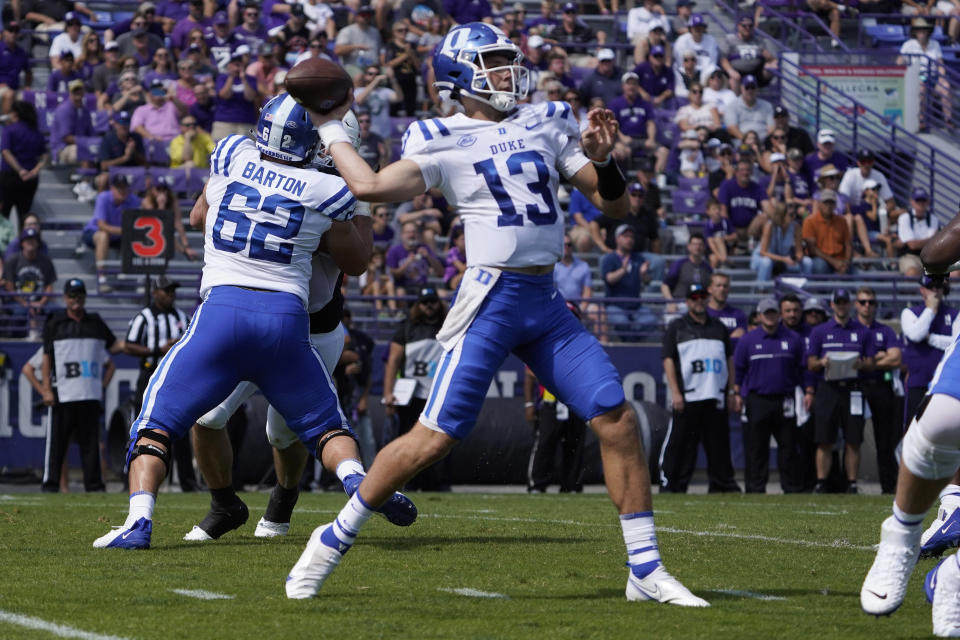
x=322, y=555
x=946, y=599
x=197, y=535
x=267, y=529
x=886, y=583
x=662, y=587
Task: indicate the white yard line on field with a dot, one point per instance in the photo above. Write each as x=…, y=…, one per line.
x=61, y=630
x=747, y=594
x=200, y=594
x=474, y=593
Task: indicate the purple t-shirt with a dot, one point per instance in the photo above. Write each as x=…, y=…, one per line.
x=12, y=62
x=178, y=37
x=800, y=184
x=721, y=227
x=111, y=212
x=235, y=109
x=731, y=317
x=632, y=116
x=416, y=273
x=253, y=39
x=152, y=75
x=58, y=82
x=653, y=82
x=812, y=163
x=203, y=114
x=26, y=145
x=384, y=239
x=68, y=121
x=778, y=189
x=451, y=269
x=743, y=203
x=220, y=49
x=175, y=9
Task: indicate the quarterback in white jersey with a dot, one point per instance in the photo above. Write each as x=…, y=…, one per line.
x=498, y=165
x=265, y=215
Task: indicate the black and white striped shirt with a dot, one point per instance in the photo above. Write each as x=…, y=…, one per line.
x=152, y=328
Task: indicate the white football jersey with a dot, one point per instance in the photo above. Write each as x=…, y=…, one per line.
x=265, y=219
x=501, y=178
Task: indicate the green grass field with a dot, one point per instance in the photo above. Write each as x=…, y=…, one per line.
x=772, y=566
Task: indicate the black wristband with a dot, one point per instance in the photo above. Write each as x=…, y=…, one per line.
x=610, y=181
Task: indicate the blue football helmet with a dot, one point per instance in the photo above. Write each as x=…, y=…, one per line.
x=459, y=65
x=285, y=131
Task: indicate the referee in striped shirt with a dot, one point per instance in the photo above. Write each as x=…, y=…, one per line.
x=152, y=333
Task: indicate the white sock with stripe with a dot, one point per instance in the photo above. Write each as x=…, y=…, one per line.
x=349, y=467
x=353, y=516
x=640, y=536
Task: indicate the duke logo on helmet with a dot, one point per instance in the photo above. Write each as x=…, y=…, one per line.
x=285, y=131
x=460, y=67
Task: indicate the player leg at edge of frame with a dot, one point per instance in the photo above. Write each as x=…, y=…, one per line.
x=931, y=456
x=627, y=481
x=944, y=531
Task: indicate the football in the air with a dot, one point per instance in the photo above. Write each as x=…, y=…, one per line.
x=319, y=84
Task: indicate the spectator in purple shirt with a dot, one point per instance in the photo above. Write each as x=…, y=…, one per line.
x=221, y=43
x=104, y=229
x=170, y=12
x=251, y=31
x=65, y=72
x=22, y=155
x=383, y=233
x=411, y=262
x=825, y=154
x=203, y=108
x=464, y=11
x=236, y=102
x=195, y=20
x=546, y=20
x=638, y=131
x=13, y=60
x=70, y=120
x=741, y=200
x=456, y=261
x=656, y=78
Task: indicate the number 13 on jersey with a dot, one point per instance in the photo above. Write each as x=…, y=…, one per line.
x=509, y=217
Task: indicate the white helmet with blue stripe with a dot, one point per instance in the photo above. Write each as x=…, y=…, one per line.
x=460, y=68
x=285, y=131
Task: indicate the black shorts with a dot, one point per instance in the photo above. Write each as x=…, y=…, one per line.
x=832, y=410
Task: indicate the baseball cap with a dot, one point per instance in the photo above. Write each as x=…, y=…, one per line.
x=841, y=295
x=74, y=84
x=718, y=73
x=72, y=17
x=928, y=281
x=870, y=184
x=826, y=171
x=749, y=80
x=111, y=46
x=74, y=286
x=29, y=232
x=66, y=54
x=157, y=88
x=622, y=229
x=535, y=42
x=163, y=282
x=813, y=304
x=120, y=180
x=236, y=54
x=242, y=50
x=193, y=48
x=635, y=188
x=684, y=3
x=696, y=290
x=146, y=6
x=569, y=7
x=297, y=10
x=122, y=117
x=13, y=26
x=629, y=75
x=657, y=24
x=919, y=194
x=139, y=33
x=602, y=54
x=780, y=111
x=657, y=50
x=428, y=294
x=777, y=157
x=745, y=19
x=865, y=154
x=696, y=20
x=768, y=304
x=920, y=23
x=365, y=7
x=825, y=136
x=714, y=143
x=220, y=17
x=827, y=195
x=794, y=153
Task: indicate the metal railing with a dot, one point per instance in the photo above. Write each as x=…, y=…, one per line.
x=904, y=158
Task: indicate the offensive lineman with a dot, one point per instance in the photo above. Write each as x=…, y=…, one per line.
x=214, y=453
x=252, y=325
x=930, y=457
x=498, y=165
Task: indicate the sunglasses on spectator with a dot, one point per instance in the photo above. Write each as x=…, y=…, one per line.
x=868, y=303
x=189, y=124
x=697, y=91
x=381, y=215
x=778, y=137
x=400, y=30
x=363, y=120
x=252, y=14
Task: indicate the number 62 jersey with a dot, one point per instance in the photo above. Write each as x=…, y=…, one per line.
x=501, y=178
x=265, y=219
